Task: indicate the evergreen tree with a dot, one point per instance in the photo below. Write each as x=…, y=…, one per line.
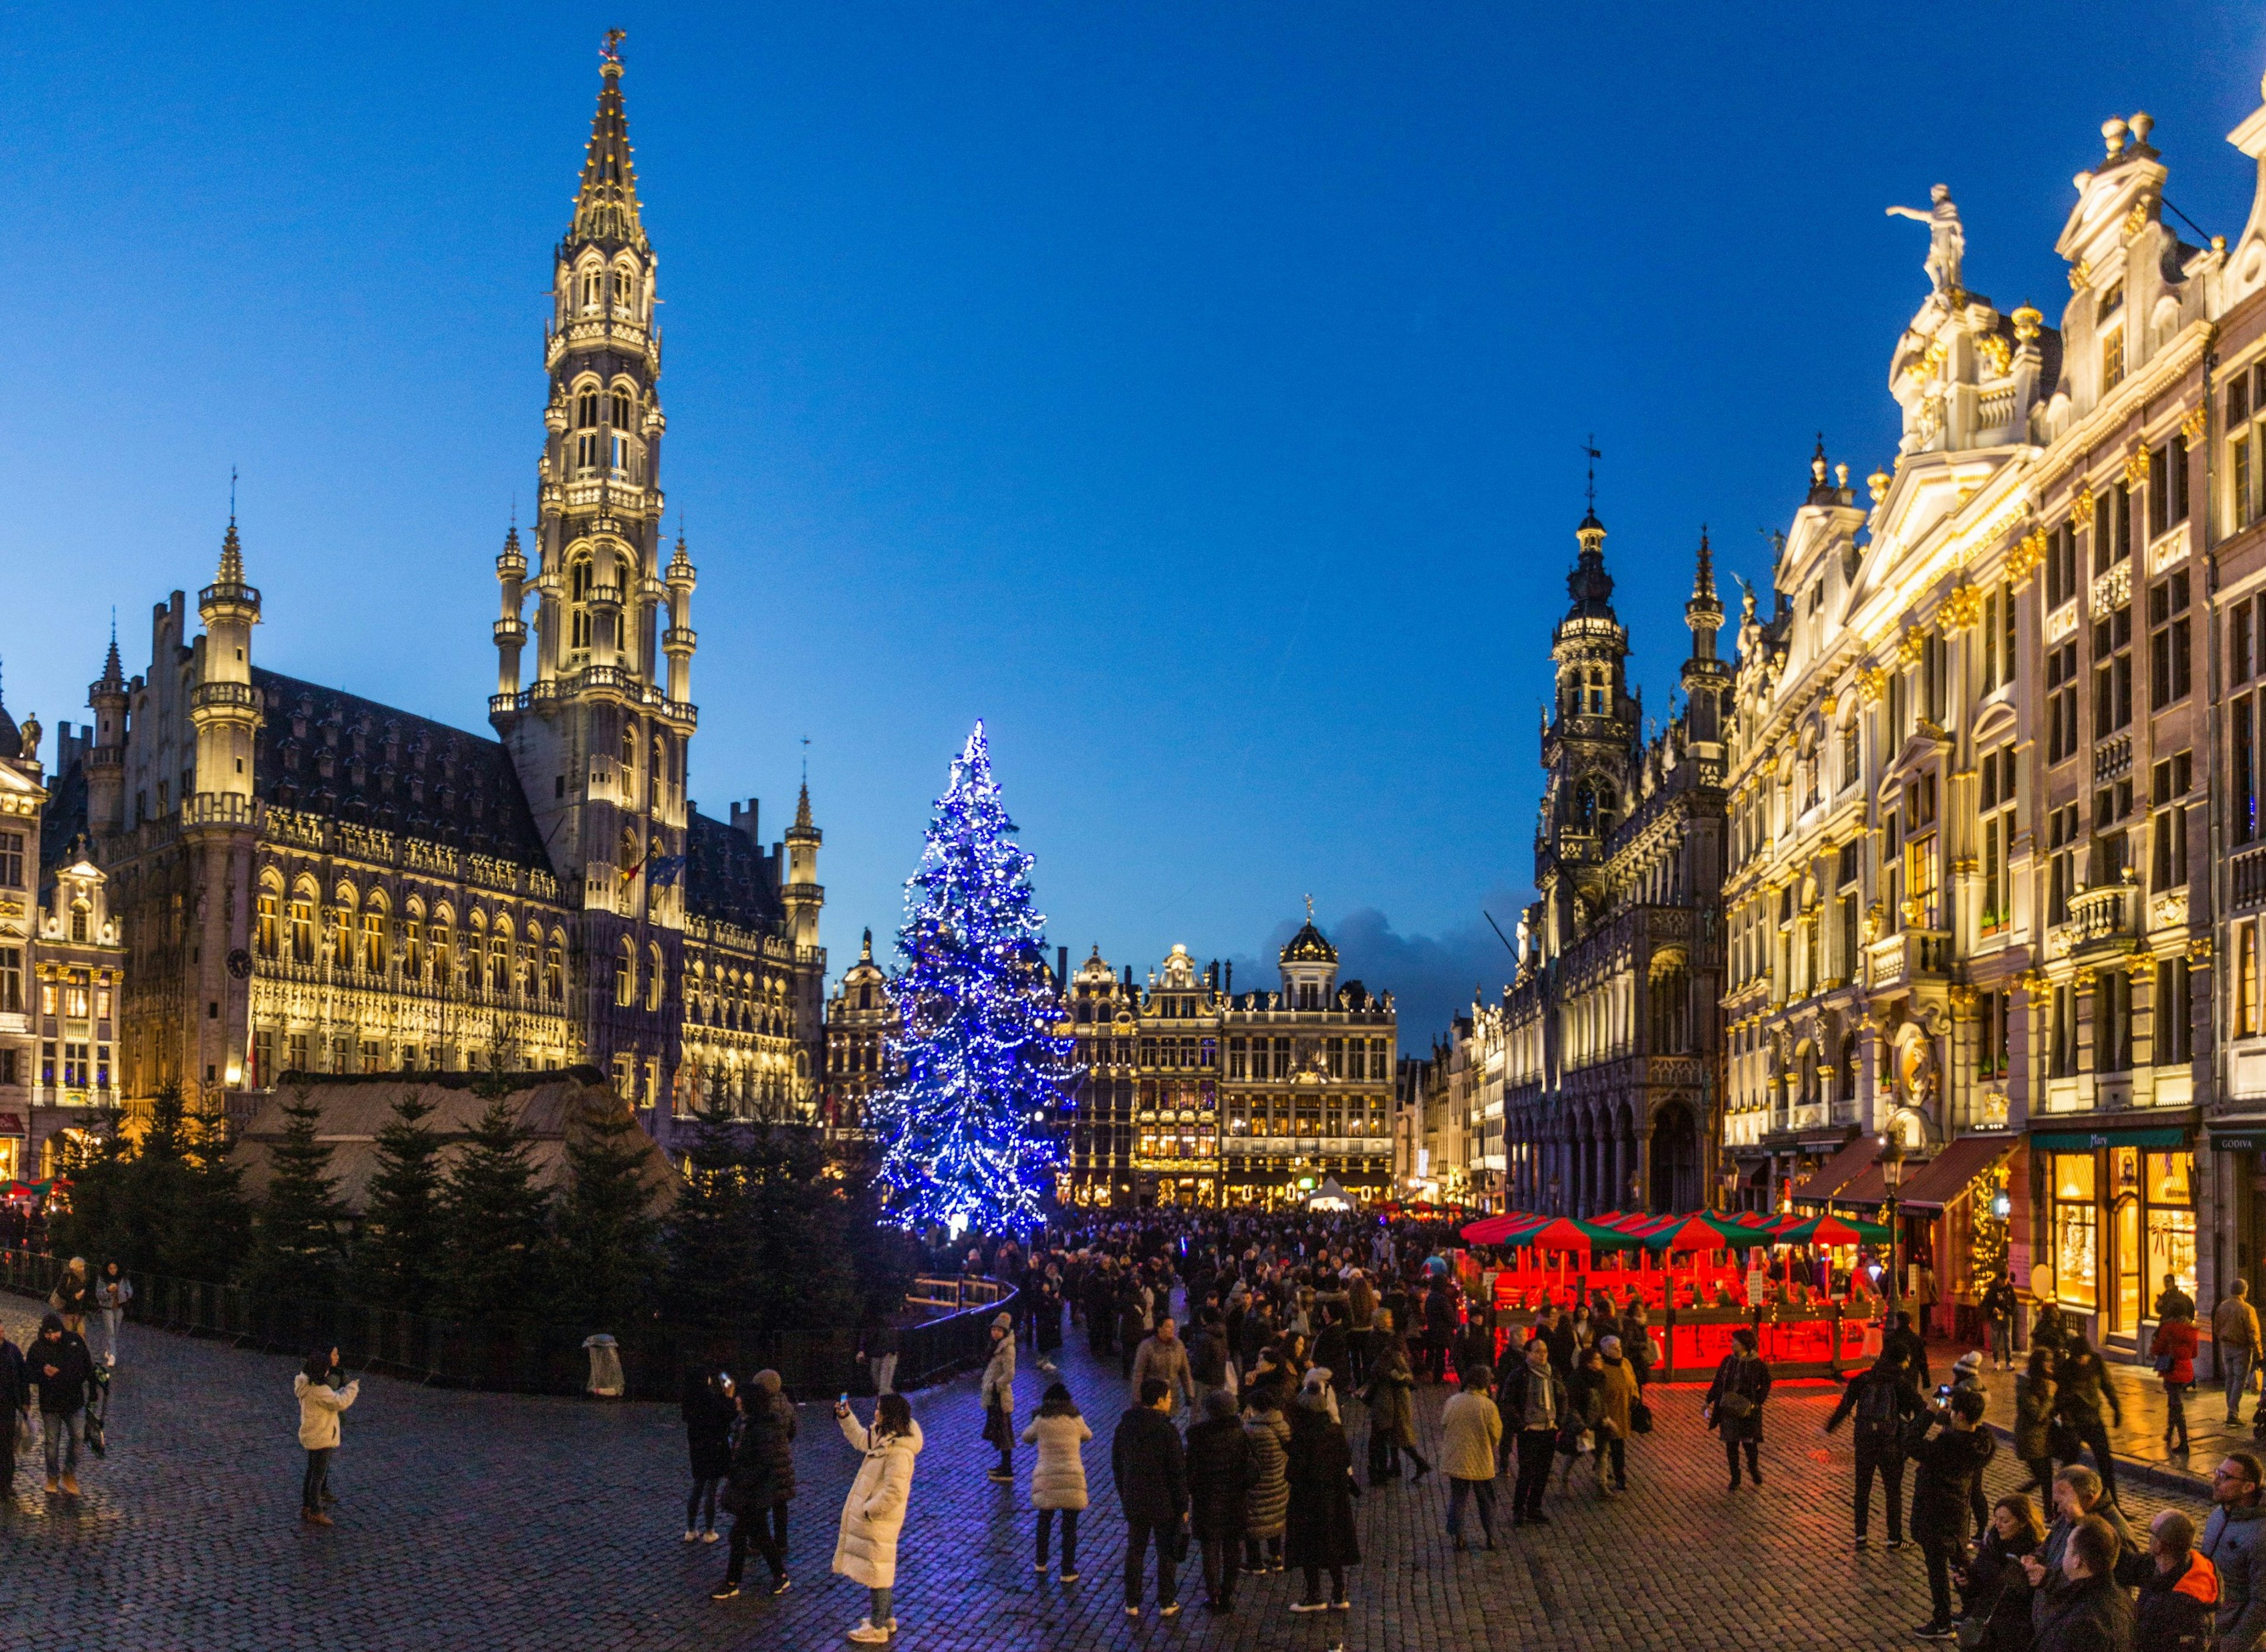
x=978, y=1059
x=710, y=1244
x=608, y=1234
x=802, y=1271
x=499, y=1240
x=298, y=1253
x=169, y=1204
x=396, y=1255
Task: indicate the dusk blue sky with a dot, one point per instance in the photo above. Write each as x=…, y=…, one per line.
x=1195, y=393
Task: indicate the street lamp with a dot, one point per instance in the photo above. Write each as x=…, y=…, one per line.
x=1892, y=1177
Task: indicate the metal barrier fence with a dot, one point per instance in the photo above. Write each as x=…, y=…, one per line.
x=523, y=1355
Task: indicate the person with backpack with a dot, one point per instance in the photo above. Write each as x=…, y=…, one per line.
x=1734, y=1406
x=1881, y=1401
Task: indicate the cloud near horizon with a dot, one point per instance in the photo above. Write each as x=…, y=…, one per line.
x=1431, y=978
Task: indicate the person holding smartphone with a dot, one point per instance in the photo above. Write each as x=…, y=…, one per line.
x=873, y=1513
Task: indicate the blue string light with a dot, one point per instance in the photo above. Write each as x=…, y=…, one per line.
x=978, y=1060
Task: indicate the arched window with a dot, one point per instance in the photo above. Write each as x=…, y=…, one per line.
x=656, y=979
x=629, y=744
x=555, y=969
x=625, y=975
x=373, y=941
x=629, y=856
x=266, y=933
x=1596, y=692
x=500, y=961
x=659, y=772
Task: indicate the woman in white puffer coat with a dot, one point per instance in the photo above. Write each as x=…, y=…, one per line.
x=874, y=1512
x=1058, y=1482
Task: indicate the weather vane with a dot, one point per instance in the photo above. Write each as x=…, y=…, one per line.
x=1596, y=453
x=611, y=51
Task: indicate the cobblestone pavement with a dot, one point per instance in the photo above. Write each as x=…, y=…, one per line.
x=2140, y=1435
x=502, y=1521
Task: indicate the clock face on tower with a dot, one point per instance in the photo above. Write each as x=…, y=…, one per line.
x=239, y=963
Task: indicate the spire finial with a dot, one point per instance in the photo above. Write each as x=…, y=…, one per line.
x=1703, y=582
x=1590, y=448
x=1309, y=908
x=232, y=496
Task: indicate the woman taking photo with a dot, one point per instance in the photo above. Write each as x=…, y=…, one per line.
x=319, y=1406
x=873, y=1513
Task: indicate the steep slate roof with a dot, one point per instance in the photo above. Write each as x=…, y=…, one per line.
x=728, y=876
x=471, y=797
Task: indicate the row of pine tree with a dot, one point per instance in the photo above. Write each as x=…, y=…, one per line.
x=760, y=1234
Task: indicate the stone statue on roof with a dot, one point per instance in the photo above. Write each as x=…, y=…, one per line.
x=1947, y=241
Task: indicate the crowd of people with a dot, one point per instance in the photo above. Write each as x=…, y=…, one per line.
x=1270, y=1368
x=1247, y=1347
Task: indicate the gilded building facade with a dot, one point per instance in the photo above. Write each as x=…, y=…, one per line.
x=62, y=971
x=861, y=1026
x=313, y=881
x=1192, y=1093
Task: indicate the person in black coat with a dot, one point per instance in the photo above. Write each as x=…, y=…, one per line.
x=1221, y=1470
x=779, y=1412
x=1734, y=1406
x=1994, y=1588
x=60, y=1368
x=747, y=1497
x=1151, y=1468
x=1883, y=1400
x=1948, y=1461
x=15, y=1396
x=1320, y=1533
x=709, y=1413
x=2092, y=1613
x=1901, y=1336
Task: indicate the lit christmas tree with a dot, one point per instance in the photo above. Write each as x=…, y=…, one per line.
x=980, y=1069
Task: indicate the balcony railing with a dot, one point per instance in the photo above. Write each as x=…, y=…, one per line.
x=2101, y=914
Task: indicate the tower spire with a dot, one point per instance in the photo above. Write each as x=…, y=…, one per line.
x=606, y=204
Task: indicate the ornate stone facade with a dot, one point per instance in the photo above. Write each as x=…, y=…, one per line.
x=314, y=881
x=1607, y=1040
x=1191, y=1093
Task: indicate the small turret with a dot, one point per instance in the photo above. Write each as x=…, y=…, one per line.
x=803, y=894
x=106, y=759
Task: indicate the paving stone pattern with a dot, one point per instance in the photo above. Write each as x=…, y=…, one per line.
x=505, y=1522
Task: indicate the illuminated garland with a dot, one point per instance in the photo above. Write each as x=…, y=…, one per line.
x=980, y=1069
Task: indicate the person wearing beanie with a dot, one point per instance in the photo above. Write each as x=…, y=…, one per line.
x=999, y=1398
x=781, y=1417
